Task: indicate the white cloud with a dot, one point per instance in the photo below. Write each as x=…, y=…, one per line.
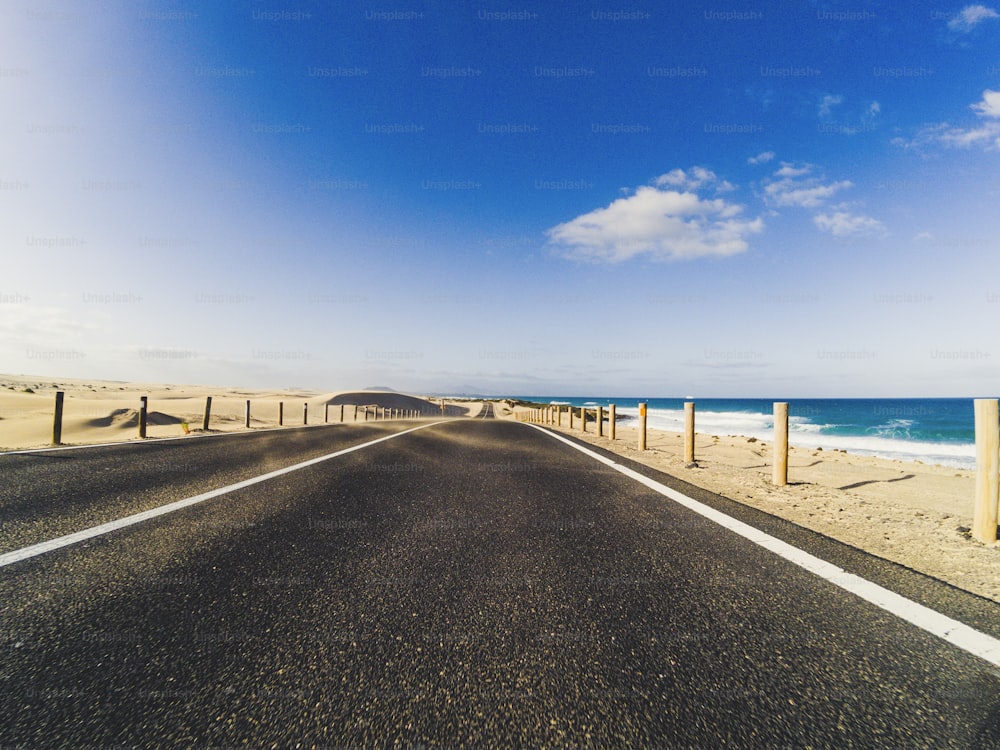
x=986, y=135
x=794, y=187
x=661, y=224
x=694, y=179
x=844, y=224
x=799, y=186
x=971, y=16
x=989, y=106
x=788, y=169
x=761, y=158
x=42, y=325
x=828, y=102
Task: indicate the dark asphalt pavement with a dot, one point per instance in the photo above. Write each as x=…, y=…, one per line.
x=471, y=584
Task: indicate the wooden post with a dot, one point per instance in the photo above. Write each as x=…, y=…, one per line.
x=305, y=413
x=611, y=422
x=642, y=427
x=281, y=414
x=780, y=443
x=143, y=413
x=208, y=413
x=248, y=413
x=558, y=416
x=341, y=412
x=569, y=410
x=600, y=421
x=326, y=414
x=57, y=419
x=355, y=412
x=583, y=419
x=689, y=432
x=984, y=515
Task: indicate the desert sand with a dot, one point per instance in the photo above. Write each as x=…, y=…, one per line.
x=913, y=514
x=96, y=411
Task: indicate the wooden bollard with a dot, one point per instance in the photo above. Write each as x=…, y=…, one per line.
x=355, y=412
x=569, y=410
x=689, y=432
x=642, y=427
x=611, y=422
x=208, y=413
x=780, y=443
x=143, y=413
x=326, y=414
x=600, y=421
x=305, y=413
x=281, y=413
x=341, y=412
x=985, y=512
x=57, y=419
x=583, y=419
x=558, y=416
x=248, y=413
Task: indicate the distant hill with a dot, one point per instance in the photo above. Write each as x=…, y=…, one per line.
x=391, y=400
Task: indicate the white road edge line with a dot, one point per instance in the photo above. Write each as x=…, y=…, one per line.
x=148, y=441
x=958, y=634
x=41, y=548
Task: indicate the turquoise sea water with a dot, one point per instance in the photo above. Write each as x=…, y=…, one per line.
x=938, y=431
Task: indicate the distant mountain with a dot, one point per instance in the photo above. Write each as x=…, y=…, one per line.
x=382, y=388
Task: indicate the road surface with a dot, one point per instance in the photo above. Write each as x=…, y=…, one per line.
x=472, y=583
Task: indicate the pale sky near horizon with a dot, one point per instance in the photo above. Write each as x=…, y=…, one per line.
x=705, y=198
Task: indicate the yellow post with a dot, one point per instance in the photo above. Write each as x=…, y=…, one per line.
x=583, y=419
x=984, y=516
x=642, y=427
x=780, y=443
x=689, y=432
x=611, y=422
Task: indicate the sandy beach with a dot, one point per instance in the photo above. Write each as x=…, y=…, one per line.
x=913, y=514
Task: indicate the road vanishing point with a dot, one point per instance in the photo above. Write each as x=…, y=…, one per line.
x=453, y=583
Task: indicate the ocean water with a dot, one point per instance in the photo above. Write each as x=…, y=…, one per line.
x=934, y=431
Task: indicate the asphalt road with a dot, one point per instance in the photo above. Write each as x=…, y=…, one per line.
x=475, y=583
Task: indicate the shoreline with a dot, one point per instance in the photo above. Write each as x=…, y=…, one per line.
x=752, y=417
x=908, y=512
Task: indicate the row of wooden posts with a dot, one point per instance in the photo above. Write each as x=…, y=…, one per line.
x=986, y=512
x=376, y=413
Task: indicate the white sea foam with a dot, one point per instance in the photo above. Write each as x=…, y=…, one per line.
x=890, y=440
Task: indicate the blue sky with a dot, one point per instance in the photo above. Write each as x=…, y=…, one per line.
x=708, y=199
